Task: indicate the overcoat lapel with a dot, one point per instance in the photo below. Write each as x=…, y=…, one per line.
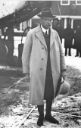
x=51, y=38
x=40, y=36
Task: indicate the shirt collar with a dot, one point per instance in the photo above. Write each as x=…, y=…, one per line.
x=44, y=30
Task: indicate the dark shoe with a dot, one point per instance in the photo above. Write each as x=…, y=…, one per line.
x=51, y=119
x=40, y=120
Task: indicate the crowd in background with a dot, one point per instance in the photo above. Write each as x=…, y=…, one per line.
x=71, y=36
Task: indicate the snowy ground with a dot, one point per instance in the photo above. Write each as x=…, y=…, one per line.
x=75, y=62
x=15, y=110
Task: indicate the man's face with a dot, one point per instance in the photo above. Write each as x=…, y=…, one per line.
x=46, y=22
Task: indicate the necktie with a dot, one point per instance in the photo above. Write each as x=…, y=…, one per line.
x=46, y=33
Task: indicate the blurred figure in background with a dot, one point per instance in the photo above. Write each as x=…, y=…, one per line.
x=20, y=49
x=69, y=34
x=58, y=26
x=77, y=41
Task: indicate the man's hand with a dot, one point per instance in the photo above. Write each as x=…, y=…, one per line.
x=63, y=75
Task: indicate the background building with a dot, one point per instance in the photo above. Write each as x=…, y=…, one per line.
x=17, y=20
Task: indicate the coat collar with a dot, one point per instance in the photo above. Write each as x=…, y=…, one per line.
x=39, y=35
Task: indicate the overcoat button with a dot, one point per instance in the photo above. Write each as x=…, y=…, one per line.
x=42, y=58
x=41, y=68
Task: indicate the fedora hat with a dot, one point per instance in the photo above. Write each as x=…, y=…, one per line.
x=45, y=13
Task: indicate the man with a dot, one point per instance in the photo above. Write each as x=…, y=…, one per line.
x=43, y=61
x=77, y=40
x=69, y=34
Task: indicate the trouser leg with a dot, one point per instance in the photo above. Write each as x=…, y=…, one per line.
x=48, y=107
x=77, y=53
x=41, y=115
x=80, y=53
x=69, y=51
x=48, y=115
x=65, y=51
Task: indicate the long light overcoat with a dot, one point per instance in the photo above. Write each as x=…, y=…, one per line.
x=34, y=61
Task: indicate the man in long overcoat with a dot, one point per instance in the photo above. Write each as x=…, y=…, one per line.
x=43, y=60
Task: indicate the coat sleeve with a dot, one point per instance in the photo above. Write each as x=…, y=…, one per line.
x=62, y=58
x=26, y=53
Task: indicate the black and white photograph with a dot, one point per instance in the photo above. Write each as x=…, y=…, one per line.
x=40, y=63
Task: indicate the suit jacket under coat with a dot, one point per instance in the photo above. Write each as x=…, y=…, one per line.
x=34, y=61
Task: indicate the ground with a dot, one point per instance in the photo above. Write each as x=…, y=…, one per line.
x=15, y=112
